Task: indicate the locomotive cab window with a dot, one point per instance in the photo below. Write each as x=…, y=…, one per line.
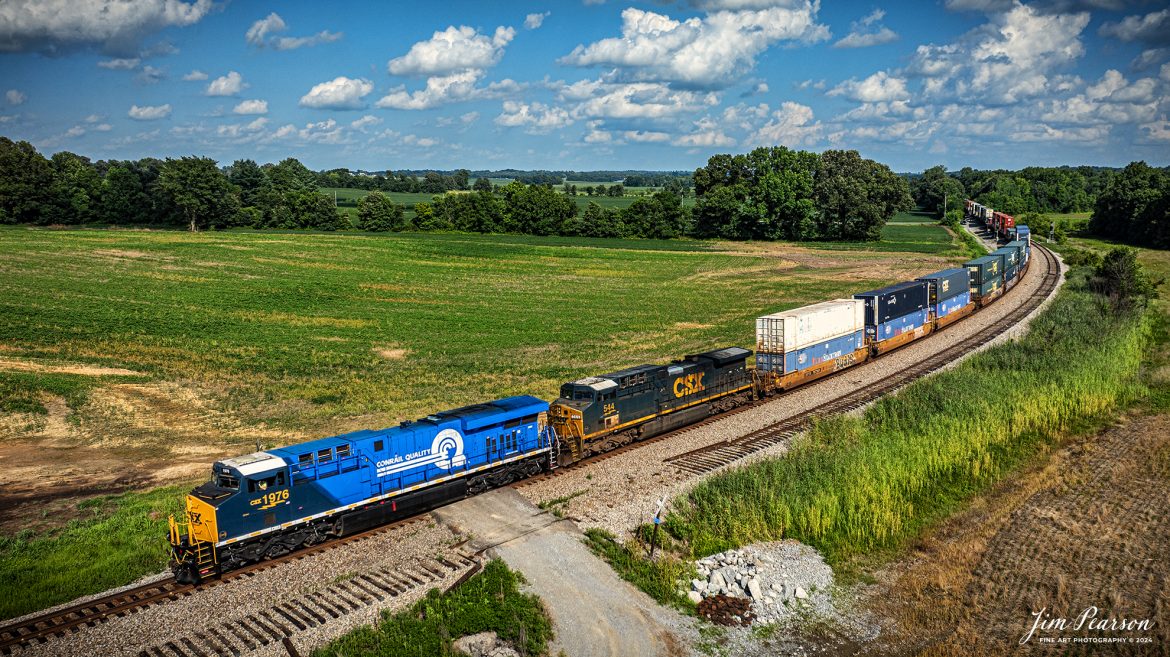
x=264, y=484
x=228, y=481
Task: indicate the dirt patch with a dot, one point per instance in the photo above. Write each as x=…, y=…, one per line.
x=1084, y=533
x=391, y=353
x=126, y=253
x=130, y=436
x=691, y=325
x=50, y=368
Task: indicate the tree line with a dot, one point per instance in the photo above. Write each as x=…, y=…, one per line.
x=770, y=193
x=1059, y=190
x=1129, y=204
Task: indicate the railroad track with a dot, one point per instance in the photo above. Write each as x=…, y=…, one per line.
x=280, y=622
x=711, y=457
x=356, y=593
x=73, y=619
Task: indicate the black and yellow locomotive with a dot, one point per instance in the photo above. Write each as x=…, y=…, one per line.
x=599, y=413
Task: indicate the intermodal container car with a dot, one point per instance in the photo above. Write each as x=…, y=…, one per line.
x=1011, y=255
x=795, y=329
x=946, y=284
x=987, y=287
x=888, y=303
x=1025, y=251
x=812, y=355
x=951, y=304
x=896, y=326
x=984, y=269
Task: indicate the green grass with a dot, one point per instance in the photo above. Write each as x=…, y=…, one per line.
x=856, y=486
x=490, y=601
x=903, y=237
x=914, y=217
x=658, y=578
x=292, y=329
x=116, y=540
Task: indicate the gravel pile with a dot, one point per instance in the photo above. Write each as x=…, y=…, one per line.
x=778, y=578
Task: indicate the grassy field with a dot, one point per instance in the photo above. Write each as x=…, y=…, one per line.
x=491, y=601
x=122, y=537
x=914, y=217
x=859, y=485
x=156, y=352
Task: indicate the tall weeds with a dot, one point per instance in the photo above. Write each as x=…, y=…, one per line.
x=855, y=484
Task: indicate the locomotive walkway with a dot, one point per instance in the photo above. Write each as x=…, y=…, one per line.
x=593, y=611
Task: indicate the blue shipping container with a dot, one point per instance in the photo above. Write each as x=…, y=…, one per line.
x=953, y=304
x=898, y=300
x=812, y=355
x=897, y=326
x=947, y=283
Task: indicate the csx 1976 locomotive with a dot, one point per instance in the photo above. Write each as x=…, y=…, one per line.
x=269, y=503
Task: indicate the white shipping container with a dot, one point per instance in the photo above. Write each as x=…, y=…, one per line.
x=801, y=327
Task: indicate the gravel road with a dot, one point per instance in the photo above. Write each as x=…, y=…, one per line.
x=594, y=613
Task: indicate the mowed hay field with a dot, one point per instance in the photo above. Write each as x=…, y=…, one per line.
x=133, y=359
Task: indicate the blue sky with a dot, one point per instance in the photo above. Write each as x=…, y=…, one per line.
x=589, y=84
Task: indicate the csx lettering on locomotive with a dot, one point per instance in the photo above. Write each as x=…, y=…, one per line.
x=689, y=384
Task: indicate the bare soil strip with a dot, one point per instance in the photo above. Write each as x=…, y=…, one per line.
x=1087, y=529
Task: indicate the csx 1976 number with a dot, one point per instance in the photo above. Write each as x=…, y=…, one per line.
x=269, y=500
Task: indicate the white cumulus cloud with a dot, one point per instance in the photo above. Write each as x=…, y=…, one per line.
x=120, y=64
x=116, y=26
x=868, y=32
x=533, y=21
x=251, y=107
x=195, y=76
x=339, y=93
x=15, y=97
x=878, y=87
x=149, y=112
x=536, y=118
x=454, y=49
x=439, y=90
x=263, y=33
x=365, y=122
x=1012, y=57
x=227, y=85
x=710, y=52
x=1151, y=28
x=791, y=125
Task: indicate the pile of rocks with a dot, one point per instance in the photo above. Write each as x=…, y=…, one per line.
x=776, y=577
x=484, y=644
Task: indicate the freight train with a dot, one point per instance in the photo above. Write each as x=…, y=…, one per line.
x=269, y=503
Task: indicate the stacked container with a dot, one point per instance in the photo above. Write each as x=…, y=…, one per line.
x=1022, y=234
x=801, y=338
x=1011, y=261
x=1025, y=251
x=986, y=274
x=947, y=291
x=894, y=310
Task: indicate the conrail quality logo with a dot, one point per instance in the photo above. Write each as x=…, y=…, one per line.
x=446, y=452
x=689, y=384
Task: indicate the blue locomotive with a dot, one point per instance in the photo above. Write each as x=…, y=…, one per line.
x=269, y=503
